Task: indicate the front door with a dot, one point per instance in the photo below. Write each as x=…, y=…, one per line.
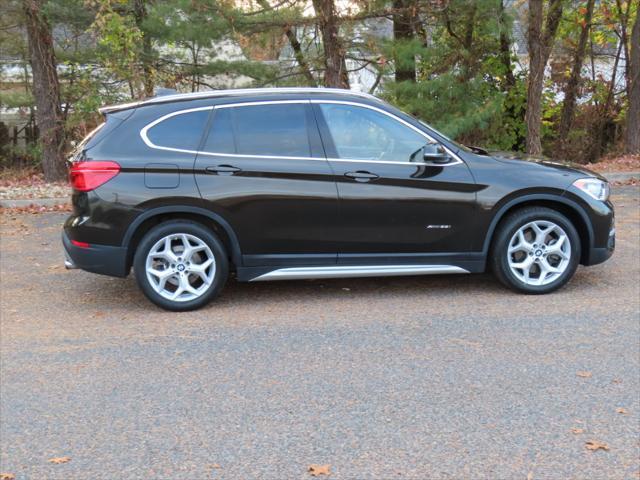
x=263, y=169
x=396, y=204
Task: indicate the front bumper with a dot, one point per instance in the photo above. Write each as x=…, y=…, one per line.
x=601, y=254
x=102, y=259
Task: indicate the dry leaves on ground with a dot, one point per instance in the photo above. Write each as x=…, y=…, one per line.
x=316, y=470
x=58, y=460
x=35, y=209
x=577, y=431
x=7, y=476
x=584, y=374
x=622, y=410
x=596, y=445
x=630, y=182
x=625, y=163
x=29, y=183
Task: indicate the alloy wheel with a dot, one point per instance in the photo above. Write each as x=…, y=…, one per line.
x=180, y=267
x=539, y=253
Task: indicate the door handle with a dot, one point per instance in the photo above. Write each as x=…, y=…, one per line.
x=223, y=169
x=362, y=176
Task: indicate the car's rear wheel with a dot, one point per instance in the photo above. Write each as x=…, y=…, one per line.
x=180, y=265
x=536, y=250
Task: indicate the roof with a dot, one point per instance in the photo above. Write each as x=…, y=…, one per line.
x=234, y=92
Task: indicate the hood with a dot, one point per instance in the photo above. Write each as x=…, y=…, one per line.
x=515, y=157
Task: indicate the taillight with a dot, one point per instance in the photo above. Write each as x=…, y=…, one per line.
x=86, y=176
x=80, y=244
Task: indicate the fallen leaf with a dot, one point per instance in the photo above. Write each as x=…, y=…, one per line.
x=316, y=470
x=346, y=289
x=577, y=431
x=530, y=476
x=596, y=445
x=584, y=374
x=7, y=476
x=214, y=465
x=58, y=460
x=616, y=381
x=622, y=410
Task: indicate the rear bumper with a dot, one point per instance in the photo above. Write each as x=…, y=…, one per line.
x=102, y=259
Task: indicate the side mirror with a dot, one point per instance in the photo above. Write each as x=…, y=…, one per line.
x=435, y=153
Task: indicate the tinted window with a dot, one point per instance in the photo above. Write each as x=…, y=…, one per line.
x=364, y=134
x=278, y=129
x=180, y=131
x=221, y=138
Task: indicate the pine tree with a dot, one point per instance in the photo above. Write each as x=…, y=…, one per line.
x=460, y=72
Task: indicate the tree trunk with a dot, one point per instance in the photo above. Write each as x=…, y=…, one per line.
x=403, y=31
x=571, y=88
x=140, y=14
x=505, y=50
x=299, y=55
x=46, y=90
x=335, y=74
x=632, y=142
x=540, y=44
x=295, y=46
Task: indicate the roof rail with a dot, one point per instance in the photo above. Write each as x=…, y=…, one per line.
x=239, y=92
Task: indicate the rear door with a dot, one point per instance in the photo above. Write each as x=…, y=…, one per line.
x=394, y=205
x=263, y=168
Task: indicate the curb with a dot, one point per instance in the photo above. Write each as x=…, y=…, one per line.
x=37, y=202
x=621, y=176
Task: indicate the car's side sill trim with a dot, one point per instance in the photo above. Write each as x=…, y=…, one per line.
x=356, y=271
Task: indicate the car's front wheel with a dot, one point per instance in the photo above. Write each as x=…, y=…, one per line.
x=180, y=265
x=536, y=250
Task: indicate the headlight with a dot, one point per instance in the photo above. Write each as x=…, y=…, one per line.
x=594, y=187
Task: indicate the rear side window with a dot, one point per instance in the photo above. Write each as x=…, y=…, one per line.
x=182, y=131
x=277, y=130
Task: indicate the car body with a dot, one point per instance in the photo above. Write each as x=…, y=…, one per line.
x=312, y=183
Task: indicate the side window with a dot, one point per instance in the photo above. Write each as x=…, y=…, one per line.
x=276, y=129
x=182, y=131
x=360, y=133
x=221, y=138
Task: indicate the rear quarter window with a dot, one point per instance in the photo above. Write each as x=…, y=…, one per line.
x=182, y=131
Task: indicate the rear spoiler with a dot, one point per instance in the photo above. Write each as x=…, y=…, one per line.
x=119, y=107
x=160, y=92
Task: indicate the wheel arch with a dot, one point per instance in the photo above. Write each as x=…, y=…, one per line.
x=150, y=218
x=567, y=207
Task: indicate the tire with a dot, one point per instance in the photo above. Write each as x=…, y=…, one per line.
x=536, y=250
x=176, y=282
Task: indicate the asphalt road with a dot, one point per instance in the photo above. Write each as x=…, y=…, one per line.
x=443, y=377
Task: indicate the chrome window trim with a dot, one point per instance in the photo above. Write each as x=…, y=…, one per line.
x=150, y=144
x=145, y=129
x=398, y=119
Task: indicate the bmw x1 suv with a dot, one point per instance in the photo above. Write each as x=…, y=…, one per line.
x=278, y=184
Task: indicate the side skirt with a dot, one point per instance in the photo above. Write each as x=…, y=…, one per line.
x=353, y=271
